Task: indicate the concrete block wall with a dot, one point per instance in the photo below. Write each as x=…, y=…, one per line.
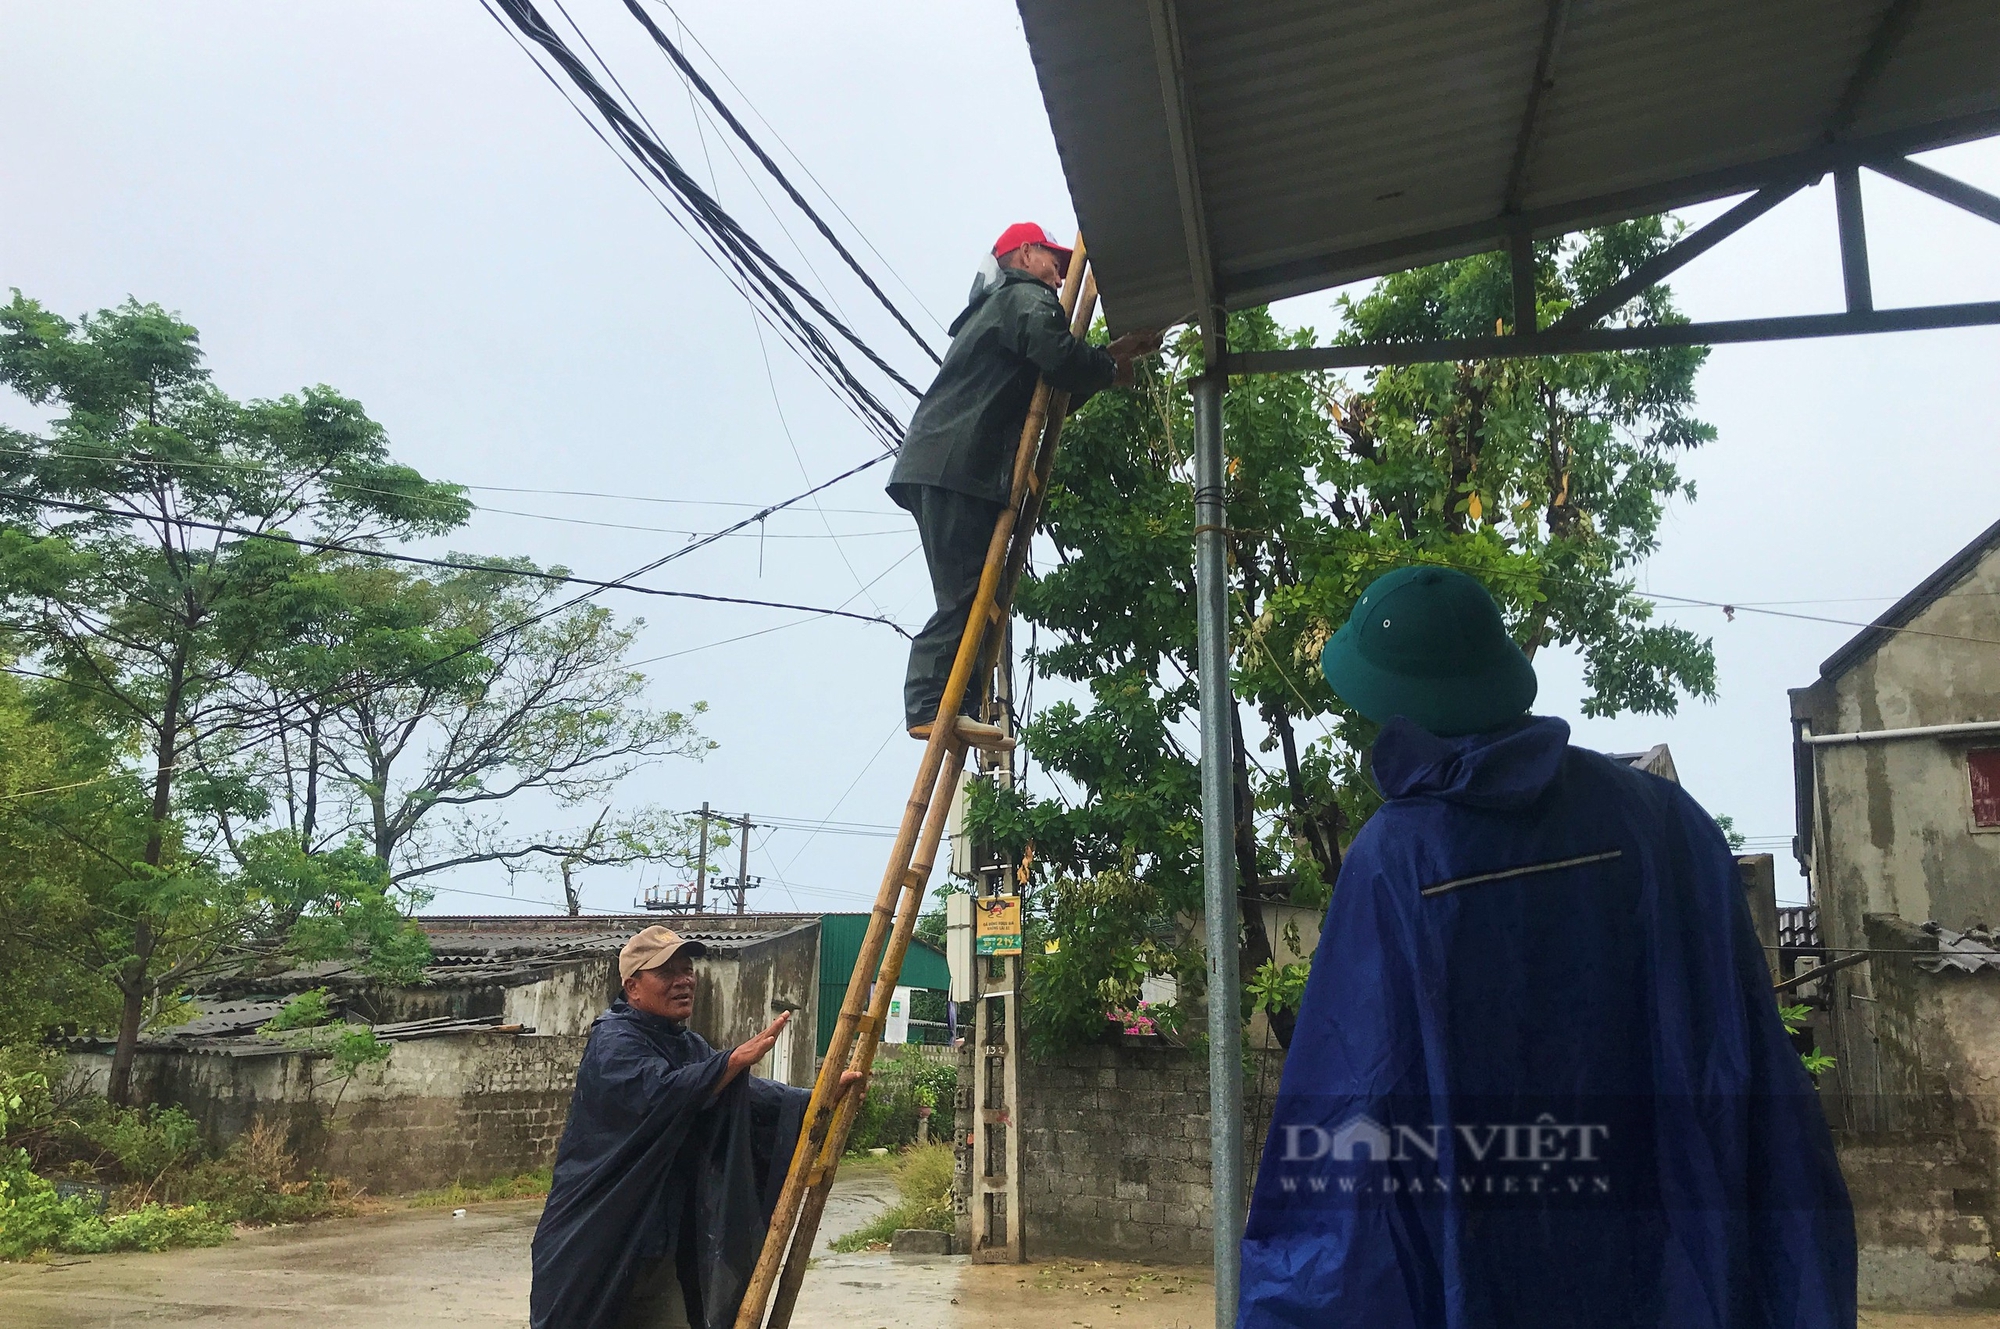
x=467, y=1107
x=1114, y=1151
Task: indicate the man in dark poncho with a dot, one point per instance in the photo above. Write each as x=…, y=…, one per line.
x=956, y=469
x=670, y=1163
x=1538, y=1079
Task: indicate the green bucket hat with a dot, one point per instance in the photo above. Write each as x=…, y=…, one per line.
x=1427, y=643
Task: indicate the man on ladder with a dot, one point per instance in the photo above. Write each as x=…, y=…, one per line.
x=954, y=473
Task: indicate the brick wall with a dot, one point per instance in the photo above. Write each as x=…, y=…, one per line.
x=1114, y=1150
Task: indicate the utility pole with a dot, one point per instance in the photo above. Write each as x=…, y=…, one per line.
x=701, y=867
x=991, y=1061
x=743, y=863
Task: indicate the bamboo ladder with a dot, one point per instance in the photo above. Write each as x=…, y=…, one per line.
x=828, y=1119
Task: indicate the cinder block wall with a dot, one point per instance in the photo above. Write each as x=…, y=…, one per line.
x=468, y=1107
x=1114, y=1150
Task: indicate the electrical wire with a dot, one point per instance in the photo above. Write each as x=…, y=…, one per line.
x=349, y=486
x=776, y=286
x=780, y=627
x=825, y=193
x=735, y=281
x=553, y=578
x=701, y=85
x=893, y=733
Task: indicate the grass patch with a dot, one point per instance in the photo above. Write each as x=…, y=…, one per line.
x=526, y=1186
x=923, y=1187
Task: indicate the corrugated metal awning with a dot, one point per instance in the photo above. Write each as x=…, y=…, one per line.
x=1291, y=145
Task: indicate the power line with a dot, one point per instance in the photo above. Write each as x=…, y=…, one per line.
x=349, y=486
x=780, y=627
x=737, y=281
x=775, y=284
x=825, y=193
x=729, y=117
x=446, y=563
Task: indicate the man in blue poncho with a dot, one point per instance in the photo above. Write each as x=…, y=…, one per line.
x=1538, y=1079
x=669, y=1164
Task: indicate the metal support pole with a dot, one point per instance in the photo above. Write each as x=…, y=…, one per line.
x=1218, y=856
x=701, y=867
x=1853, y=240
x=743, y=864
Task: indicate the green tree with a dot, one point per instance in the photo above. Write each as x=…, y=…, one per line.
x=133, y=578
x=53, y=774
x=1546, y=479
x=414, y=711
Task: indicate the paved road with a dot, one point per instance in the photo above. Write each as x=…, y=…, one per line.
x=420, y=1269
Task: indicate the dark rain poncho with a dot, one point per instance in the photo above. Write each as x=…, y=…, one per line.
x=652, y=1162
x=964, y=432
x=1539, y=1077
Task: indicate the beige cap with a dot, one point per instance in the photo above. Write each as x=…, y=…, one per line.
x=653, y=947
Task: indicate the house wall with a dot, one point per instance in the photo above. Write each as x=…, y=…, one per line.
x=567, y=1000
x=1916, y=1080
x=736, y=992
x=467, y=1107
x=1892, y=827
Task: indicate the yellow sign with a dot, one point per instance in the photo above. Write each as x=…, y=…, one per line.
x=996, y=925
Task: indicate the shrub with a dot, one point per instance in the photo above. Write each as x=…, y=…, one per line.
x=32, y=1218
x=923, y=1189
x=888, y=1115
x=526, y=1186
x=253, y=1183
x=150, y=1227
x=146, y=1143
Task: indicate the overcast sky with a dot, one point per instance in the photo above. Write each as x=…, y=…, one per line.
x=388, y=198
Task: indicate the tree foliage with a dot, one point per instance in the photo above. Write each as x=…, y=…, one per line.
x=1547, y=479
x=231, y=736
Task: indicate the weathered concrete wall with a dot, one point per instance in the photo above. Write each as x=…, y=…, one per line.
x=1893, y=821
x=468, y=1107
x=737, y=995
x=1917, y=1090
x=566, y=1001
x=1114, y=1150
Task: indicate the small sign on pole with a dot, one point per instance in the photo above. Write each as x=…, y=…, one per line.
x=997, y=925
x=896, y=1029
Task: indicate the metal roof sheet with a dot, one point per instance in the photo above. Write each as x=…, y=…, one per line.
x=1333, y=142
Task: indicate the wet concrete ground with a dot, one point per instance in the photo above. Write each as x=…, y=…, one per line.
x=416, y=1269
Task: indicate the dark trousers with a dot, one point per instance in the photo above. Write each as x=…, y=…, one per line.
x=956, y=529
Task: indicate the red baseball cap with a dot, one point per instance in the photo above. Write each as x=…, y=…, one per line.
x=1028, y=233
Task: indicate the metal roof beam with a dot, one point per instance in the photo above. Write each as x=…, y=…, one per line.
x=1521, y=271
x=1295, y=276
x=1939, y=185
x=1586, y=340
x=1853, y=240
x=1171, y=63
x=1868, y=69
x=1686, y=250
x=1553, y=27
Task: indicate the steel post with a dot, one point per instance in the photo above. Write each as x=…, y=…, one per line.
x=1218, y=857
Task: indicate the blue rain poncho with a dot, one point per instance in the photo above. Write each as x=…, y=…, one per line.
x=654, y=1163
x=1539, y=1078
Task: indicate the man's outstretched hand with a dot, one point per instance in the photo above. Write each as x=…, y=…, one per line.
x=754, y=1049
x=1133, y=346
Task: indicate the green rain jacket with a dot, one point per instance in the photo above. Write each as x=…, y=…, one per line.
x=965, y=430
